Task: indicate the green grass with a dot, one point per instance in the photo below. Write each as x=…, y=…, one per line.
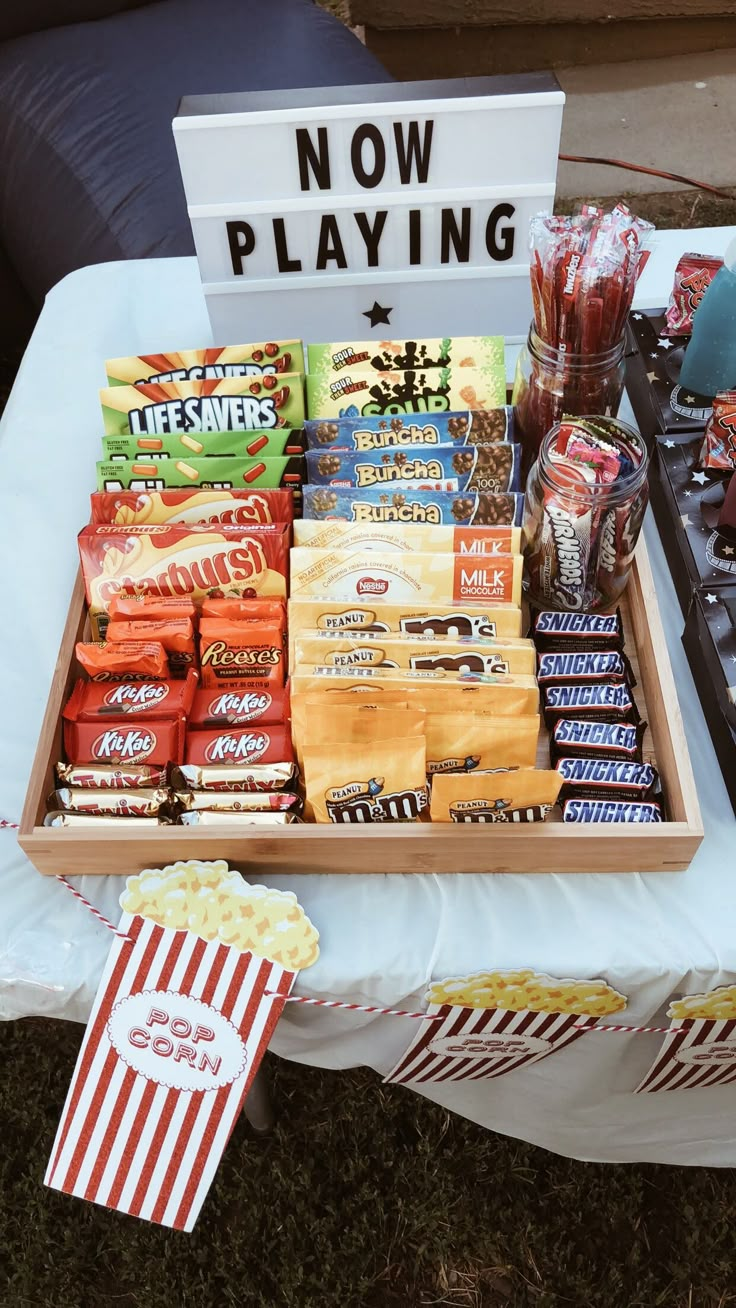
x=365, y=1195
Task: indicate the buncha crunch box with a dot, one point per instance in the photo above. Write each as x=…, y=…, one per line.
x=331, y=360
x=211, y=364
x=494, y=468
x=429, y=390
x=237, y=404
x=375, y=432
x=411, y=505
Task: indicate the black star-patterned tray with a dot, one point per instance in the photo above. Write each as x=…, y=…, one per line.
x=687, y=501
x=653, y=362
x=710, y=643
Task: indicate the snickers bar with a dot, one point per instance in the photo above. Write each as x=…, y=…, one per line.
x=608, y=666
x=599, y=702
x=606, y=778
x=588, y=632
x=611, y=810
x=575, y=738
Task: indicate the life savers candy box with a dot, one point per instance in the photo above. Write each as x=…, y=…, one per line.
x=492, y=468
x=688, y=507
x=352, y=394
x=182, y=445
x=407, y=538
x=208, y=364
x=439, y=508
x=169, y=561
x=710, y=644
x=236, y=404
x=231, y=508
x=373, y=432
x=210, y=473
x=350, y=575
x=331, y=360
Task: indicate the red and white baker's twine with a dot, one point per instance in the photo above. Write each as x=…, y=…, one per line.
x=343, y=1004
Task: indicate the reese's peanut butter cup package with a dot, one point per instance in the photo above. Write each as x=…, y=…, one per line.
x=230, y=508
x=502, y=695
x=205, y=365
x=235, y=404
x=520, y=795
x=352, y=393
x=491, y=468
x=378, y=781
x=370, y=649
x=231, y=651
x=407, y=538
x=351, y=575
x=460, y=743
x=338, y=357
x=413, y=504
x=373, y=432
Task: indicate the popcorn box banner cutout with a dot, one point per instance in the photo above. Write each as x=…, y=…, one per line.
x=700, y=1049
x=469, y=1034
x=355, y=212
x=179, y=1025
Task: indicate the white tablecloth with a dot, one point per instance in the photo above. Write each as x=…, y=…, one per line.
x=383, y=937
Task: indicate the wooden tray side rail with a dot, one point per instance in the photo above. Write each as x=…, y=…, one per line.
x=416, y=847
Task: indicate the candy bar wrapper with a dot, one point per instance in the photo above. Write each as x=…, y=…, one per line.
x=236, y=404
x=606, y=778
x=555, y=632
x=477, y=743
x=241, y=801
x=205, y=365
x=123, y=742
x=94, y=820
x=719, y=442
x=140, y=1132
x=567, y=668
x=182, y=445
x=517, y=795
x=407, y=538
x=236, y=776
x=353, y=394
x=239, y=706
x=492, y=468
x=113, y=803
x=191, y=561
x=229, y=508
x=693, y=275
x=450, y=692
x=210, y=473
x=373, y=781
x=479, y=427
x=106, y=776
x=411, y=506
x=599, y=703
x=334, y=649
x=133, y=660
x=151, y=608
x=611, y=810
x=479, y=1044
x=695, y=1053
x=231, y=651
x=575, y=738
x=239, y=746
x=222, y=818
x=351, y=576
x=332, y=360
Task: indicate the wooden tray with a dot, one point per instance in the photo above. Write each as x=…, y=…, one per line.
x=416, y=847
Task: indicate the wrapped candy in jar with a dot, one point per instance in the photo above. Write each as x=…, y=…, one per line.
x=586, y=495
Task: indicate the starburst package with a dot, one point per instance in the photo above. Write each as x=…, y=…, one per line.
x=492, y=468
x=236, y=404
x=351, y=576
x=460, y=743
x=332, y=360
x=338, y=650
x=518, y=795
x=353, y=394
x=409, y=504
x=189, y=508
x=378, y=781
x=407, y=538
x=372, y=432
x=208, y=364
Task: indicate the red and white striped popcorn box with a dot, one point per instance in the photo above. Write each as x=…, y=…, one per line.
x=177, y=1032
x=695, y=1053
x=478, y=1044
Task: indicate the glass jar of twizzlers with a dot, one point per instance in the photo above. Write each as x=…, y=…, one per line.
x=585, y=500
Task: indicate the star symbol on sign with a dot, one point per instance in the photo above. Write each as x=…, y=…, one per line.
x=377, y=314
x=689, y=399
x=685, y=519
x=699, y=476
x=711, y=599
x=669, y=445
x=728, y=549
x=665, y=344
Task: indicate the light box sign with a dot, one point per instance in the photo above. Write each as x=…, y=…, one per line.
x=327, y=213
